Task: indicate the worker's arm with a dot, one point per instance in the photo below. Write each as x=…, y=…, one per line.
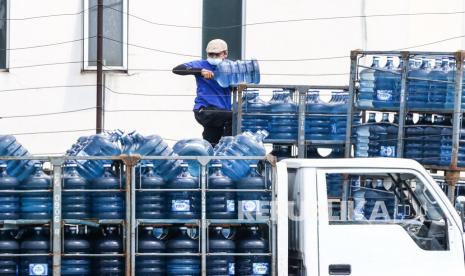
x=183, y=69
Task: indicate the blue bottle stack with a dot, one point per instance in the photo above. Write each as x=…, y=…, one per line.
x=432, y=144
x=9, y=202
x=150, y=204
x=8, y=245
x=414, y=138
x=252, y=240
x=109, y=241
x=151, y=240
x=76, y=241
x=438, y=84
x=229, y=72
x=418, y=88
x=76, y=205
x=35, y=240
x=21, y=169
x=36, y=205
x=183, y=240
x=387, y=86
x=221, y=205
x=220, y=242
x=107, y=205
x=184, y=204
x=383, y=138
x=283, y=119
x=362, y=137
x=257, y=108
x=253, y=205
x=367, y=85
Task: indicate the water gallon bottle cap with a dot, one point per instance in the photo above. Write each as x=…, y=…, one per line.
x=253, y=165
x=254, y=228
x=148, y=165
x=107, y=165
x=38, y=165
x=3, y=165
x=71, y=165
x=149, y=228
x=183, y=228
x=38, y=228
x=217, y=165
x=184, y=165
x=218, y=228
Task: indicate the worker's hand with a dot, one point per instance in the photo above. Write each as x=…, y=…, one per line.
x=207, y=74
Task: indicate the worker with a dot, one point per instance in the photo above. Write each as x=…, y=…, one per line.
x=212, y=108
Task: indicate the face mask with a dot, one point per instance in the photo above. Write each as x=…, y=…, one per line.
x=214, y=61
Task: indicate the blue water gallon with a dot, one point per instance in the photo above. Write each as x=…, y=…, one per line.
x=21, y=169
x=367, y=85
x=8, y=245
x=184, y=204
x=96, y=145
x=107, y=205
x=254, y=109
x=252, y=241
x=109, y=242
x=183, y=241
x=150, y=204
x=283, y=121
x=193, y=147
x=317, y=119
x=36, y=205
x=150, y=240
x=438, y=84
x=220, y=242
x=223, y=73
x=386, y=93
x=76, y=205
x=432, y=145
x=450, y=93
x=362, y=136
x=445, y=153
x=417, y=90
x=36, y=241
x=9, y=202
x=253, y=205
x=221, y=205
x=76, y=241
x=414, y=138
x=282, y=151
x=245, y=144
x=153, y=145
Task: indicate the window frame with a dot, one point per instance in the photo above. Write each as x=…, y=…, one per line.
x=85, y=42
x=7, y=38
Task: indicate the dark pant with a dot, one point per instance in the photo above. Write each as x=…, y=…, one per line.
x=216, y=123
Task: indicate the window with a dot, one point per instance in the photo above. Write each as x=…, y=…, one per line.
x=114, y=34
x=388, y=198
x=3, y=33
x=223, y=13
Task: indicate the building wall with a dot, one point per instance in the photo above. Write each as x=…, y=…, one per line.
x=278, y=41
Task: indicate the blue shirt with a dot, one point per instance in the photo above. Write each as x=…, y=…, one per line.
x=209, y=92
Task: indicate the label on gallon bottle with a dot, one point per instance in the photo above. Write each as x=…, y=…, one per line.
x=387, y=151
x=230, y=205
x=231, y=269
x=38, y=269
x=384, y=95
x=180, y=205
x=260, y=268
x=250, y=205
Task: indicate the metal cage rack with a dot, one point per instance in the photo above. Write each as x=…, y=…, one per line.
x=299, y=94
x=452, y=172
x=128, y=164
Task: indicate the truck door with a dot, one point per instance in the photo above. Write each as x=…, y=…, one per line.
x=385, y=222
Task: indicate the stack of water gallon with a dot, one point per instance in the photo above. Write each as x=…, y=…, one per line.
x=429, y=100
x=325, y=121
x=177, y=201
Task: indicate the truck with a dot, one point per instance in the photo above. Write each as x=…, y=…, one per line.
x=390, y=218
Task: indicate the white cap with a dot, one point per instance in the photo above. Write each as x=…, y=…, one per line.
x=216, y=46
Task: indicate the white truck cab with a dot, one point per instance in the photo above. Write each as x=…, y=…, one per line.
x=365, y=217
